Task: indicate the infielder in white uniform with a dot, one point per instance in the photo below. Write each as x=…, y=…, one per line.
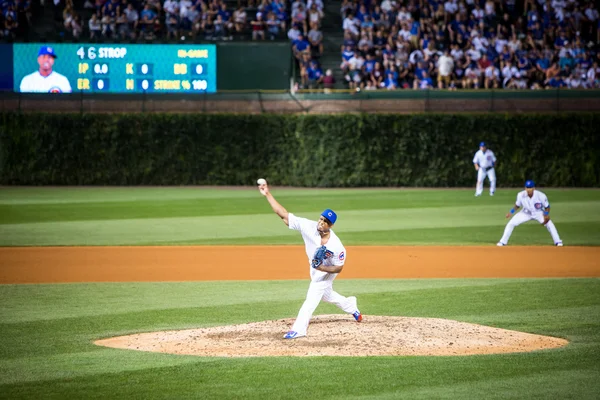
x=45, y=80
x=485, y=161
x=318, y=239
x=535, y=206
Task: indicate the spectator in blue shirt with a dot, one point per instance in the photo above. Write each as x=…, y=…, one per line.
x=560, y=40
x=426, y=82
x=390, y=82
x=584, y=62
x=315, y=75
x=300, y=46
x=542, y=64
x=369, y=65
x=566, y=61
x=273, y=26
x=420, y=70
x=379, y=41
x=147, y=17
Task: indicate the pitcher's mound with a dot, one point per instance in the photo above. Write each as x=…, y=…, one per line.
x=340, y=335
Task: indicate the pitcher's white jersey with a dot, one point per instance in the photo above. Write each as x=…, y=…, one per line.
x=534, y=205
x=484, y=160
x=53, y=83
x=312, y=240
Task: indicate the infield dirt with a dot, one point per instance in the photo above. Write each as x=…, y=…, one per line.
x=205, y=263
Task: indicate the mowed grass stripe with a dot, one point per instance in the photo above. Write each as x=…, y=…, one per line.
x=94, y=204
x=528, y=234
x=28, y=303
x=210, y=228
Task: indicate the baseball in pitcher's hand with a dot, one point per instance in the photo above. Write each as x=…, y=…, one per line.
x=263, y=189
x=508, y=215
x=546, y=219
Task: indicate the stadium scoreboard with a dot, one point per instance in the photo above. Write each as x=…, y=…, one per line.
x=130, y=68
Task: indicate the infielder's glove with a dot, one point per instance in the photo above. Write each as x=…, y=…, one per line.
x=320, y=255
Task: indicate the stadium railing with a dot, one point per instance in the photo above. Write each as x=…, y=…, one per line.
x=314, y=102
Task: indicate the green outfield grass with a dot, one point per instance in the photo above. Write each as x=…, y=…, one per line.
x=161, y=216
x=47, y=332
x=46, y=350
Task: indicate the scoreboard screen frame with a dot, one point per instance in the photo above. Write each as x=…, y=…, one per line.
x=114, y=68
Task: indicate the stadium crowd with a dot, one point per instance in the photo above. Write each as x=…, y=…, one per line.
x=15, y=17
x=202, y=19
x=470, y=44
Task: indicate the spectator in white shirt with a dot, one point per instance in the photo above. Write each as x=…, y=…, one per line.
x=450, y=7
x=508, y=72
x=480, y=43
x=471, y=79
x=514, y=44
x=293, y=33
x=95, y=27
x=474, y=53
x=240, y=19
x=592, y=73
x=492, y=77
x=403, y=15
x=445, y=67
x=387, y=5
x=456, y=52
x=184, y=7
x=500, y=43
x=171, y=7
x=574, y=82
x=404, y=33
x=132, y=18
x=415, y=57
x=478, y=12
x=490, y=8
x=351, y=25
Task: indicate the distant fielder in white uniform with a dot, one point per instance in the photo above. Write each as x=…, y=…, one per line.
x=484, y=162
x=316, y=234
x=535, y=207
x=45, y=80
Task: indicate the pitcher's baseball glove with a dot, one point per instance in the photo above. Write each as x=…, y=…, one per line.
x=320, y=255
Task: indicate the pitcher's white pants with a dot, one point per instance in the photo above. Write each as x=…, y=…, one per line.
x=491, y=174
x=521, y=217
x=318, y=291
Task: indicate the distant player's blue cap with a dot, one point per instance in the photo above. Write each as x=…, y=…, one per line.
x=330, y=215
x=46, y=50
x=530, y=184
x=482, y=144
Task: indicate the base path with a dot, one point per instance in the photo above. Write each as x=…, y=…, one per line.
x=199, y=263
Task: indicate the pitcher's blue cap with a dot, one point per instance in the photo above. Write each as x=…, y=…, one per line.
x=46, y=50
x=330, y=215
x=482, y=144
x=530, y=184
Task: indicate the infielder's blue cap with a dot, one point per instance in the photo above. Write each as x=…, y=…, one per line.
x=330, y=215
x=46, y=50
x=530, y=184
x=482, y=144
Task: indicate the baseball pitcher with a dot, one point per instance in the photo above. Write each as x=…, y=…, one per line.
x=326, y=258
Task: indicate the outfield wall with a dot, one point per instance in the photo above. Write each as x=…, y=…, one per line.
x=295, y=150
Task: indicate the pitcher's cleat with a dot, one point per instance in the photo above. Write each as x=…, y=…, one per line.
x=357, y=316
x=292, y=335
x=500, y=244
